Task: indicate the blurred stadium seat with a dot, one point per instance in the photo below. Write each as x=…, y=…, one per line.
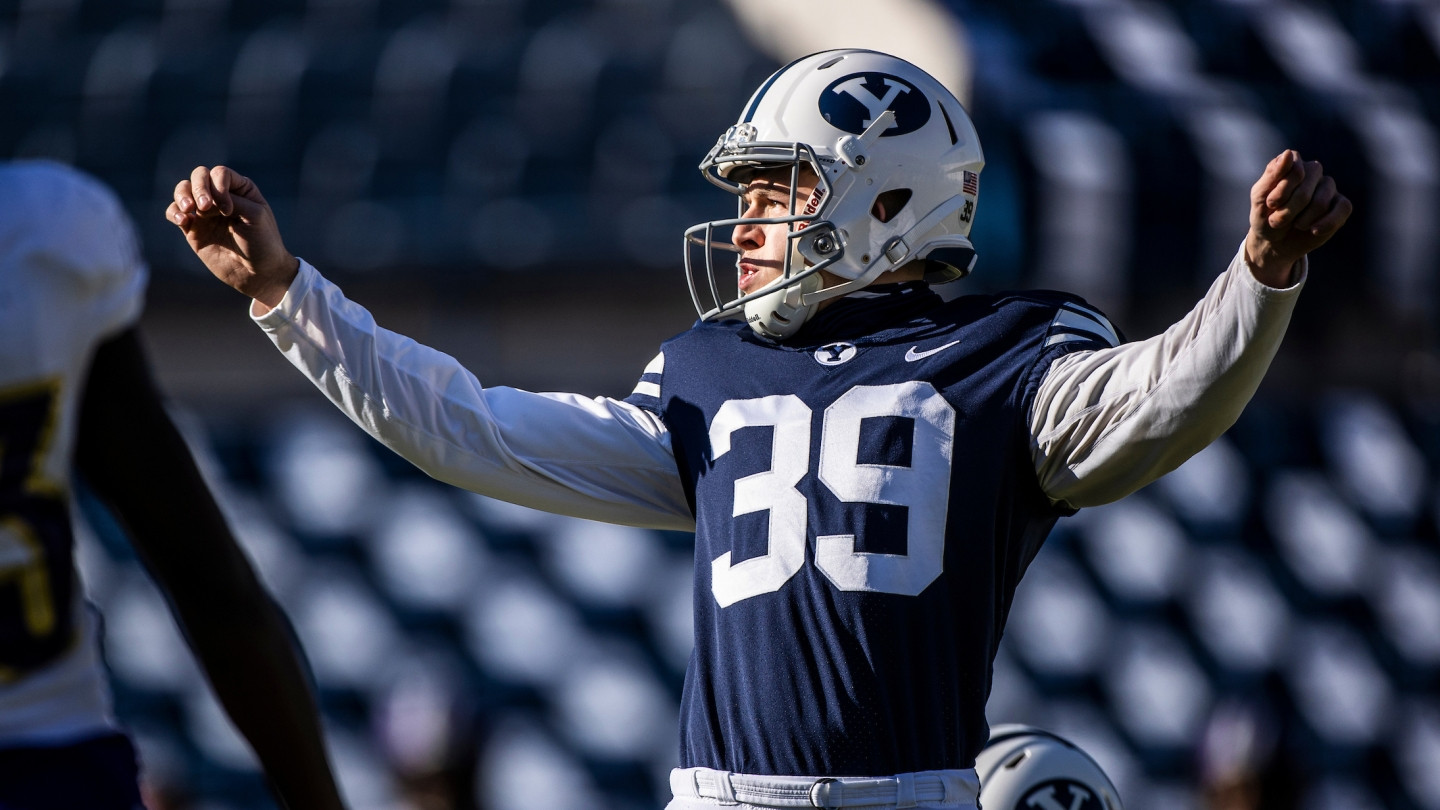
x=1296, y=562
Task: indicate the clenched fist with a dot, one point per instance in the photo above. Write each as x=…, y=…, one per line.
x=1294, y=208
x=232, y=229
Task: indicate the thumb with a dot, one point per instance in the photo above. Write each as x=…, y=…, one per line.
x=1275, y=171
x=245, y=187
x=248, y=210
x=231, y=186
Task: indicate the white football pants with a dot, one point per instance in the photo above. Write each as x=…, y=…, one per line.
x=708, y=789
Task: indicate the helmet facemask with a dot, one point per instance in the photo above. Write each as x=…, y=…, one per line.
x=779, y=308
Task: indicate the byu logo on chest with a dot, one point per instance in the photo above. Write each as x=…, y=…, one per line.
x=833, y=354
x=854, y=102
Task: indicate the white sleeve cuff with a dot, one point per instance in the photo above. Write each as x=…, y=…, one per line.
x=1265, y=289
x=285, y=311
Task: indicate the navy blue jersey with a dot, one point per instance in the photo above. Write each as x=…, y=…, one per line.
x=865, y=504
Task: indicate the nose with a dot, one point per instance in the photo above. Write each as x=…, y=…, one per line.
x=748, y=235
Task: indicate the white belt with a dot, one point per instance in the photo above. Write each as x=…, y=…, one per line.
x=951, y=787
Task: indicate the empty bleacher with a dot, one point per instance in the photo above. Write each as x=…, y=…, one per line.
x=1281, y=589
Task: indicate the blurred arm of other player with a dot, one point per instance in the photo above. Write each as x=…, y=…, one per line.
x=132, y=456
x=1107, y=422
x=600, y=458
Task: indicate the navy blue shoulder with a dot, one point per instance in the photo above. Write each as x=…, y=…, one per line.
x=1072, y=318
x=1041, y=325
x=647, y=391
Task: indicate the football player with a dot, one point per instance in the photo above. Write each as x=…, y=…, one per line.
x=868, y=469
x=76, y=396
x=1026, y=768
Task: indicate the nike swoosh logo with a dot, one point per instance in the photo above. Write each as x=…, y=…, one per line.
x=913, y=355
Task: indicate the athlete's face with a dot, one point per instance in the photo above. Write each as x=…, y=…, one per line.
x=762, y=246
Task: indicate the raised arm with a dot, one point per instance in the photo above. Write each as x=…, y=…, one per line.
x=1108, y=422
x=131, y=455
x=601, y=459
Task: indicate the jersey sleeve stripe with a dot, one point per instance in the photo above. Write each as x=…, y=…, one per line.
x=1073, y=337
x=647, y=390
x=1106, y=328
x=1092, y=312
x=1085, y=321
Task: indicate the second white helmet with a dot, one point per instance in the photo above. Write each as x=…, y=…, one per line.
x=865, y=123
x=1026, y=768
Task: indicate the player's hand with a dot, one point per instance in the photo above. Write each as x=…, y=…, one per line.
x=1294, y=208
x=232, y=229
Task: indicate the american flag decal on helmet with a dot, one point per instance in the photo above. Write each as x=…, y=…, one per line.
x=970, y=183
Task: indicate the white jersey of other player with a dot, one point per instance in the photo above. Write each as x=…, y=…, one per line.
x=60, y=297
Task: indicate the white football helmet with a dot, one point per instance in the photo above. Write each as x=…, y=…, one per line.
x=865, y=123
x=1025, y=768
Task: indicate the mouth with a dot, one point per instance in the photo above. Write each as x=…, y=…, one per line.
x=748, y=272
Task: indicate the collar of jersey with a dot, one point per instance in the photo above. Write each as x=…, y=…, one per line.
x=865, y=312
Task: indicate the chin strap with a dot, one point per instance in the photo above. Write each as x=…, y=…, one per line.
x=780, y=314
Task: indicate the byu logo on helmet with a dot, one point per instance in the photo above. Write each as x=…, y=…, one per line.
x=855, y=101
x=1060, y=794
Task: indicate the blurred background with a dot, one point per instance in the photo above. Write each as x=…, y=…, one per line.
x=508, y=180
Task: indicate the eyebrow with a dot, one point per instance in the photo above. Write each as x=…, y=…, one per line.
x=767, y=186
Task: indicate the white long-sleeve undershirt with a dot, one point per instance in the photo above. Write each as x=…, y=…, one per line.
x=601, y=459
x=1104, y=422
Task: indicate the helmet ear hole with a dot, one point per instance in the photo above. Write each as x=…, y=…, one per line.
x=889, y=203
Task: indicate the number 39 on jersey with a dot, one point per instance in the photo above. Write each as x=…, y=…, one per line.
x=922, y=487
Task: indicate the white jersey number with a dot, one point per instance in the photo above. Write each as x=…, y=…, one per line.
x=923, y=487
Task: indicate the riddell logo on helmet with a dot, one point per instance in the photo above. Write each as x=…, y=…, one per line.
x=816, y=198
x=854, y=102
